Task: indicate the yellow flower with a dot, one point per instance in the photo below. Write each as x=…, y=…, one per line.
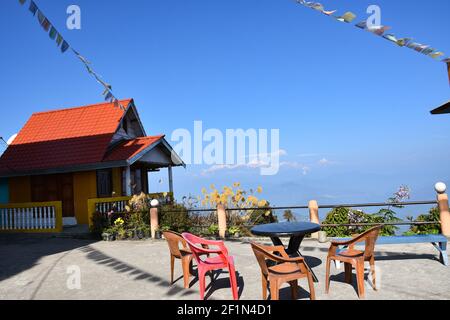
x=204, y=191
x=119, y=222
x=259, y=189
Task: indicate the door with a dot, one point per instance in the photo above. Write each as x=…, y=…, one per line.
x=55, y=187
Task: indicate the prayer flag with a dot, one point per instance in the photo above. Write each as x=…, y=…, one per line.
x=41, y=17
x=33, y=8
x=347, y=17
x=448, y=71
x=22, y=2
x=64, y=46
x=328, y=13
x=46, y=24
x=53, y=33
x=436, y=54
x=362, y=24
x=59, y=40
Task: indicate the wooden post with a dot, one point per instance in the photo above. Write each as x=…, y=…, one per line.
x=170, y=179
x=314, y=215
x=128, y=181
x=222, y=220
x=154, y=221
x=442, y=199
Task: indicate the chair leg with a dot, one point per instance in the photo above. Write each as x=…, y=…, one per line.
x=348, y=273
x=264, y=286
x=185, y=263
x=274, y=290
x=294, y=289
x=233, y=281
x=372, y=271
x=201, y=281
x=360, y=278
x=327, y=276
x=172, y=268
x=312, y=293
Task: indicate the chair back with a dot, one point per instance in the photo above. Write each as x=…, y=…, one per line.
x=261, y=256
x=370, y=238
x=173, y=240
x=197, y=246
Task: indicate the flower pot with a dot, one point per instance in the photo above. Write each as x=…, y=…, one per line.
x=323, y=237
x=108, y=236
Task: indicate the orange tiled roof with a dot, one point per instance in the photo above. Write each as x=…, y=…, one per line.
x=131, y=148
x=62, y=138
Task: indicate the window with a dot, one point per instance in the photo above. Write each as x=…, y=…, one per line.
x=104, y=183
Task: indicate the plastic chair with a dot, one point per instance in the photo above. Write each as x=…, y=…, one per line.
x=221, y=261
x=184, y=254
x=284, y=269
x=354, y=258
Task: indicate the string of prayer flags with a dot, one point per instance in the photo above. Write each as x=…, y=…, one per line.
x=64, y=46
x=380, y=31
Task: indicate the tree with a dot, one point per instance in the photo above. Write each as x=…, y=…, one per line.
x=289, y=216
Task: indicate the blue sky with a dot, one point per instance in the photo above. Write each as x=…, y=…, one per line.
x=334, y=91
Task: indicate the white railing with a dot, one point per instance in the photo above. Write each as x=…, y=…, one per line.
x=32, y=217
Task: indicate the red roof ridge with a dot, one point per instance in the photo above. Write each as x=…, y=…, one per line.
x=82, y=107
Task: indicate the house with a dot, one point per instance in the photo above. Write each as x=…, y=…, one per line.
x=76, y=154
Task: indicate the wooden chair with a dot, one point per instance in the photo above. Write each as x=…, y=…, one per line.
x=284, y=270
x=184, y=254
x=353, y=258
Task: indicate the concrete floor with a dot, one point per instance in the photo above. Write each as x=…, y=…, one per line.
x=40, y=268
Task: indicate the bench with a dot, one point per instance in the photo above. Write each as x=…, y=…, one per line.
x=439, y=241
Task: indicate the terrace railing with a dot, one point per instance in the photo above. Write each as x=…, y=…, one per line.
x=118, y=204
x=31, y=217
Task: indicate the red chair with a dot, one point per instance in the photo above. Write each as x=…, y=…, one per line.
x=221, y=261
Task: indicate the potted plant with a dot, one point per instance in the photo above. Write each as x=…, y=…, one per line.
x=109, y=234
x=213, y=230
x=235, y=231
x=158, y=233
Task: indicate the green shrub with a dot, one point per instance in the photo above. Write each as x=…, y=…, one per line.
x=341, y=216
x=175, y=217
x=432, y=216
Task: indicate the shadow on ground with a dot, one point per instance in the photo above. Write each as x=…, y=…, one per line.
x=22, y=252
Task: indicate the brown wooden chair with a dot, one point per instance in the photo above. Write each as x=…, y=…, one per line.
x=353, y=258
x=284, y=270
x=184, y=254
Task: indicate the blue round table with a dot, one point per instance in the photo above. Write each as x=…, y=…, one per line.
x=295, y=230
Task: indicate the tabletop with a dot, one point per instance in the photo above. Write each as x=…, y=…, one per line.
x=285, y=229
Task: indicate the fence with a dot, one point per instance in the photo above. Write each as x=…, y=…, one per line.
x=118, y=204
x=31, y=217
x=203, y=218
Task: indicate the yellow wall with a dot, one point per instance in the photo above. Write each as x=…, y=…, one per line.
x=19, y=189
x=117, y=181
x=84, y=188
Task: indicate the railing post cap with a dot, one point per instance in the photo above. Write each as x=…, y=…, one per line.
x=154, y=203
x=440, y=187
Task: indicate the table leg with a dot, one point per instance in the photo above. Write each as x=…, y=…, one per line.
x=293, y=250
